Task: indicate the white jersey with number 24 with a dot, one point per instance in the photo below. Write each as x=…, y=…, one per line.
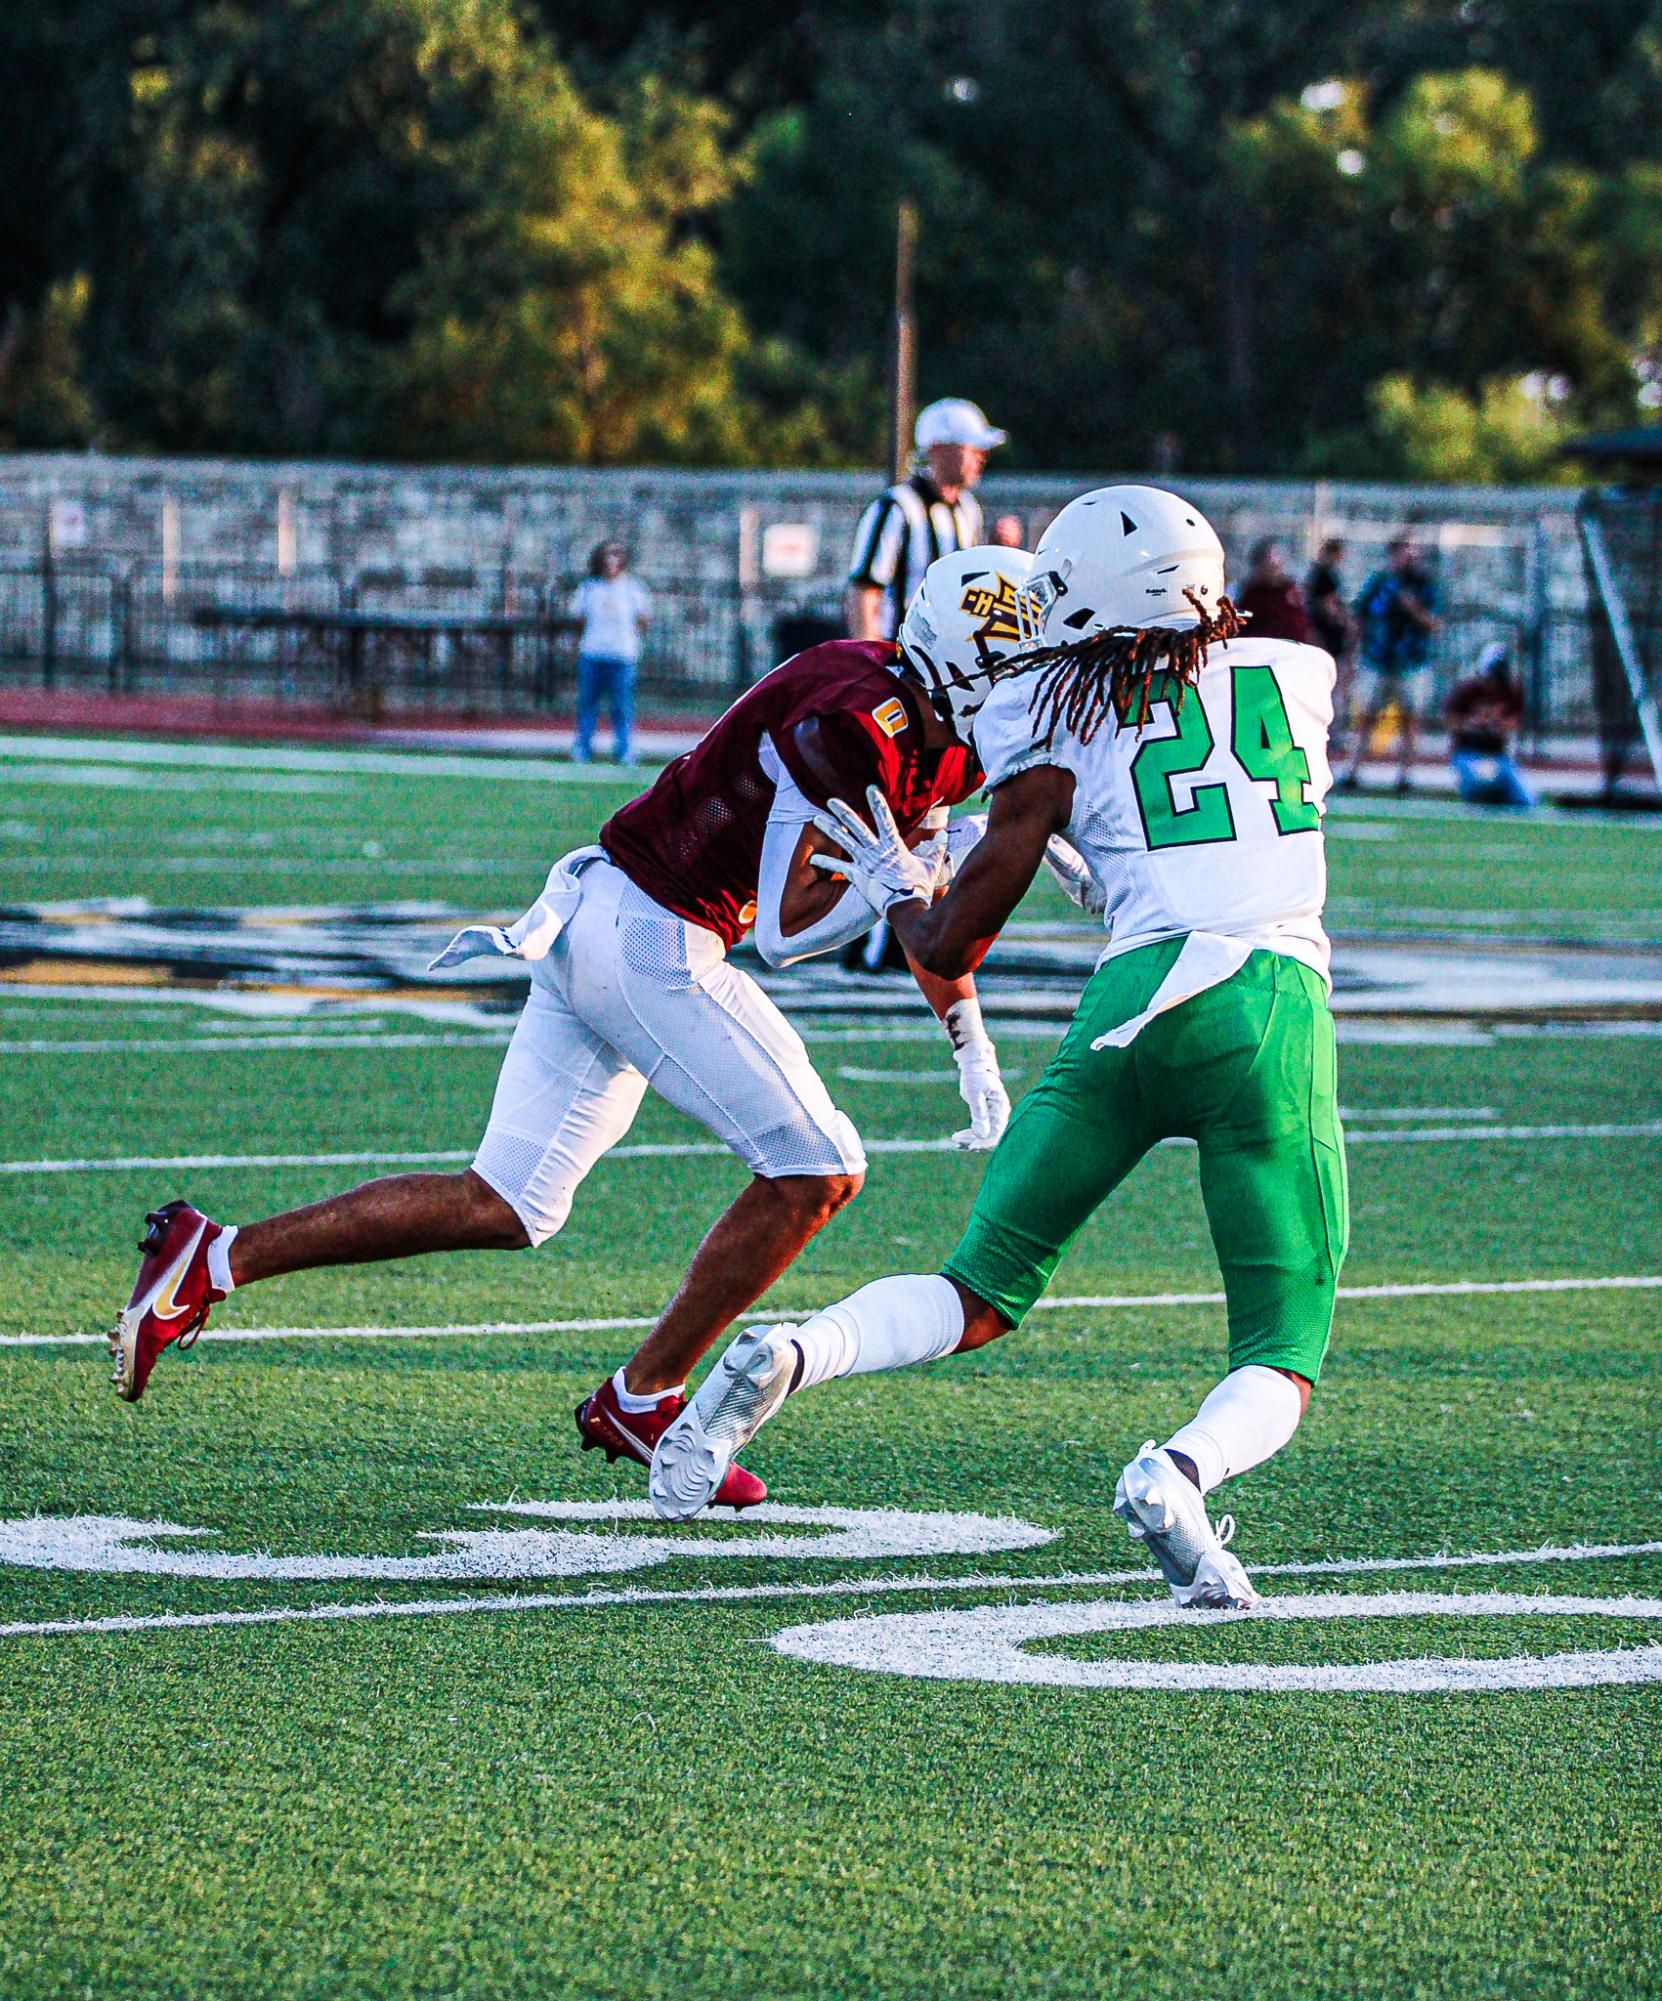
x=1208, y=819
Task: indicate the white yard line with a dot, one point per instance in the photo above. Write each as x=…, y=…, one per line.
x=411, y=1157
x=116, y=778
x=940, y=1074
x=465, y=1330
x=1643, y=1129
x=1403, y=1113
x=689, y=1149
x=90, y=751
x=549, y=1601
x=1452, y=1289
x=162, y=1163
x=195, y=1045
x=854, y=1032
x=234, y=864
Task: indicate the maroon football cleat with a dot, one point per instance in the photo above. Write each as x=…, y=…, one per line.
x=632, y=1434
x=170, y=1302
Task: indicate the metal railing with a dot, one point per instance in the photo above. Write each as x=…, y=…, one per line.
x=1621, y=536
x=495, y=642
x=502, y=642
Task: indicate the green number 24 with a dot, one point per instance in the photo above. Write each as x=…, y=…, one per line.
x=1263, y=744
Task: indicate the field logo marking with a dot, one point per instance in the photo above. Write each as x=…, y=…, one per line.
x=33, y=1539
x=121, y=1544
x=989, y=1643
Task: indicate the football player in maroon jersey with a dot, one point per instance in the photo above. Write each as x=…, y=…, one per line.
x=631, y=985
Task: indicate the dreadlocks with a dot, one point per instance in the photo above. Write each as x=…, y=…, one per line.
x=1082, y=680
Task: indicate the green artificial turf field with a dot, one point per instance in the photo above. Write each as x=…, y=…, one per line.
x=333, y=1669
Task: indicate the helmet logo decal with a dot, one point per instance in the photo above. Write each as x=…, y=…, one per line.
x=994, y=606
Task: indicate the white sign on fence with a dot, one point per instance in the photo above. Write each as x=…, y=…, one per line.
x=68, y=525
x=789, y=549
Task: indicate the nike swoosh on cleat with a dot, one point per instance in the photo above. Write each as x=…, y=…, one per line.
x=173, y=1279
x=623, y=1431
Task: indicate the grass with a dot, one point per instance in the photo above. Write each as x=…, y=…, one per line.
x=645, y=1799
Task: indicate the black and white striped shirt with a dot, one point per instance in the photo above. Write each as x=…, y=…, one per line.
x=901, y=533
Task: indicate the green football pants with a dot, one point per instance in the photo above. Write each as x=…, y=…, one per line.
x=1246, y=1070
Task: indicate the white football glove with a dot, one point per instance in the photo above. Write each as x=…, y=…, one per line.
x=936, y=856
x=1072, y=877
x=979, y=1083
x=875, y=859
x=961, y=836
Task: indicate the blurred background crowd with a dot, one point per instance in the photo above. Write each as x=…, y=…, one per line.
x=481, y=356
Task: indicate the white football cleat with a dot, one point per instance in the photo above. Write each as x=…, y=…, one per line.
x=733, y=1402
x=1162, y=1506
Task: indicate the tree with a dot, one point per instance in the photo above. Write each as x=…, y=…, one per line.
x=397, y=226
x=567, y=312
x=1244, y=235
x=1440, y=261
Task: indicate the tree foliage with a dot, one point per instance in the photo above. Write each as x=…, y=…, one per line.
x=1406, y=237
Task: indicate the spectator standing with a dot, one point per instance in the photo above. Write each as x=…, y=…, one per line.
x=1008, y=532
x=1397, y=612
x=1270, y=599
x=1483, y=713
x=1332, y=626
x=613, y=608
x=934, y=512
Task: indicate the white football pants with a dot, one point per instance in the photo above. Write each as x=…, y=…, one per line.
x=632, y=995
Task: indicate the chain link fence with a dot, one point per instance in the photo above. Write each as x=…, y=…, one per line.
x=372, y=641
x=501, y=641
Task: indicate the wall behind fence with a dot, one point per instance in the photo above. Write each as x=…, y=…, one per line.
x=120, y=555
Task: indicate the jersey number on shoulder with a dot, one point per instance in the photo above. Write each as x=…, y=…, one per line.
x=1263, y=744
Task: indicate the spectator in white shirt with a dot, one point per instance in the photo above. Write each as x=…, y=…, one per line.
x=613, y=608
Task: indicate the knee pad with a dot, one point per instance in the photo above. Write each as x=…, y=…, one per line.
x=845, y=1136
x=807, y=1145
x=511, y=1166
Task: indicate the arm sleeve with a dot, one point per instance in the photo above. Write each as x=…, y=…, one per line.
x=1005, y=734
x=877, y=544
x=837, y=756
x=849, y=917
x=643, y=601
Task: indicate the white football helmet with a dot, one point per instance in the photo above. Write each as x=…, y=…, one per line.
x=962, y=626
x=1121, y=556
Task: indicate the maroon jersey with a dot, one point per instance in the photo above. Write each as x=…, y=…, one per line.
x=839, y=719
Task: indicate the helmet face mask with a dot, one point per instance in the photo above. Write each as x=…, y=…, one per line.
x=1121, y=558
x=1033, y=605
x=962, y=628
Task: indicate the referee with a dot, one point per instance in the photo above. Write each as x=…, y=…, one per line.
x=929, y=515
x=899, y=536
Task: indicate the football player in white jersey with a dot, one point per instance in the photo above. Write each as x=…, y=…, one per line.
x=1171, y=770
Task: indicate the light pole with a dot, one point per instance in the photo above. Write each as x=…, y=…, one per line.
x=902, y=343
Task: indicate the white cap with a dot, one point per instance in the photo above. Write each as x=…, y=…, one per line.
x=953, y=421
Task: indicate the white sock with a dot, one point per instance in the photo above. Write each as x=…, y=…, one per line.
x=1249, y=1416
x=888, y=1324
x=219, y=1260
x=627, y=1399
